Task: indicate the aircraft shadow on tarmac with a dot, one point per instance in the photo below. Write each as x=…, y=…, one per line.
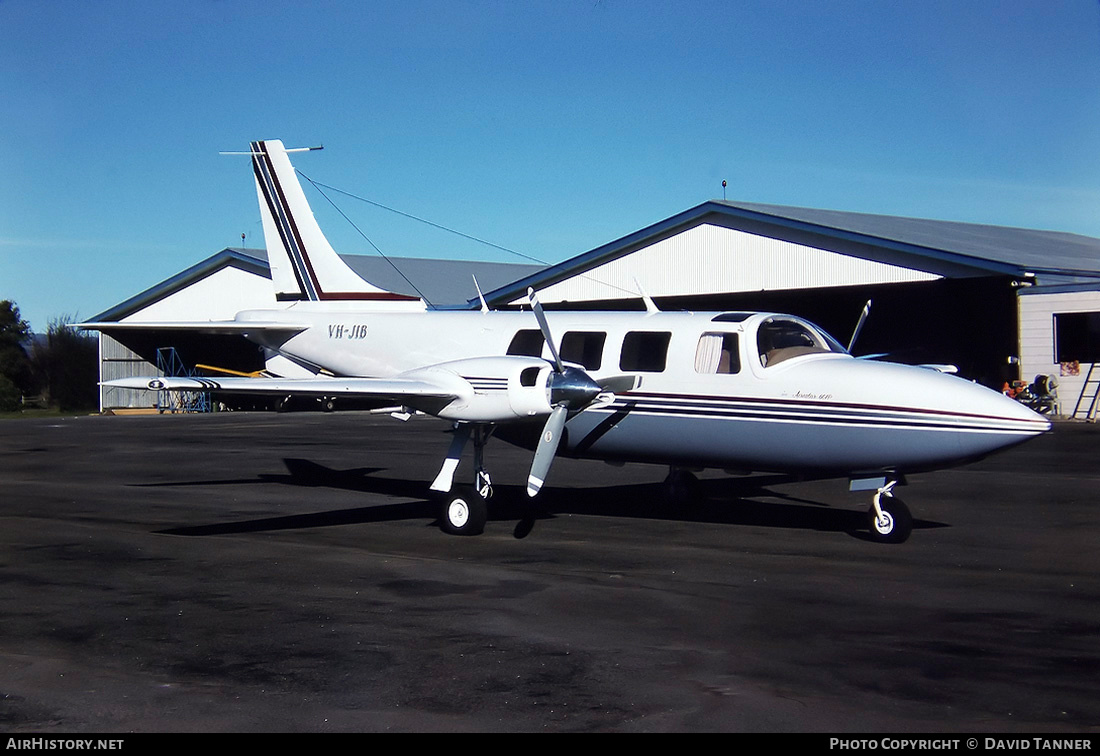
x=726, y=501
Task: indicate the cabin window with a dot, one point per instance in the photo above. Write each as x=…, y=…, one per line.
x=778, y=340
x=584, y=348
x=717, y=354
x=527, y=343
x=645, y=351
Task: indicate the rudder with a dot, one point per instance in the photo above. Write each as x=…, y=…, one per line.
x=304, y=266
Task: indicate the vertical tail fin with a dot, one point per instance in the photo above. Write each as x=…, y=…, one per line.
x=304, y=266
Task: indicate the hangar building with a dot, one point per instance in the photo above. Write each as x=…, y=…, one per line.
x=237, y=279
x=1000, y=303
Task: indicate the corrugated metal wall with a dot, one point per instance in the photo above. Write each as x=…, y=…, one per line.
x=116, y=361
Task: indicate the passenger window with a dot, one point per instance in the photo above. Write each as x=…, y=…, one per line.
x=583, y=347
x=645, y=351
x=527, y=343
x=717, y=353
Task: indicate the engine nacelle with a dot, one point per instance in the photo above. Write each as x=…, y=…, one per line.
x=493, y=389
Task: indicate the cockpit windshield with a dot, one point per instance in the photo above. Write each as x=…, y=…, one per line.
x=779, y=339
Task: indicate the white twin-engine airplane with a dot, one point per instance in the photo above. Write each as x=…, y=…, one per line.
x=739, y=391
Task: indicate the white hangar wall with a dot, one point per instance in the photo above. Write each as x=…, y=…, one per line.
x=713, y=259
x=1038, y=345
x=219, y=295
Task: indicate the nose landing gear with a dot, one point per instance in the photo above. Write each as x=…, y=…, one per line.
x=889, y=518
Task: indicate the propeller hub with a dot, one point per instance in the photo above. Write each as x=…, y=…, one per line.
x=573, y=389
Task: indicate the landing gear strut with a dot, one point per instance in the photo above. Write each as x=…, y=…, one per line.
x=464, y=508
x=889, y=518
x=681, y=487
x=482, y=482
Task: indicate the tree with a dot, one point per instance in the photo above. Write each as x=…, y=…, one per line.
x=16, y=371
x=68, y=365
x=10, y=396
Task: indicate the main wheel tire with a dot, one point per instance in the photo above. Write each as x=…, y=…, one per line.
x=463, y=512
x=896, y=523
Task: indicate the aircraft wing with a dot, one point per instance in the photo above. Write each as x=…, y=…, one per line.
x=412, y=392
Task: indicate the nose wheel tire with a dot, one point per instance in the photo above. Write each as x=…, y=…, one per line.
x=463, y=512
x=895, y=524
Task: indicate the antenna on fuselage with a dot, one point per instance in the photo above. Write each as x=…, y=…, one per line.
x=650, y=305
x=484, y=307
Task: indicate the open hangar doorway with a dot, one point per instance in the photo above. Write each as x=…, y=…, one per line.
x=970, y=323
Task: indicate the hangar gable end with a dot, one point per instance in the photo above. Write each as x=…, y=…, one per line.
x=715, y=259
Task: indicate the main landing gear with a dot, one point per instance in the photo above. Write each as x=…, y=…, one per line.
x=681, y=487
x=464, y=509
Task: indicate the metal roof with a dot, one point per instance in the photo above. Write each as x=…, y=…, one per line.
x=947, y=248
x=1033, y=250
x=440, y=282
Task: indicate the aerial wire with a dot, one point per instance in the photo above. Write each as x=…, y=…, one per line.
x=360, y=231
x=319, y=186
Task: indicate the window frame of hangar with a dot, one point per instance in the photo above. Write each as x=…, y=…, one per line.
x=1076, y=337
x=645, y=351
x=718, y=353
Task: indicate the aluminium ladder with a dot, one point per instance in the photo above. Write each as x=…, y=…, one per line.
x=1089, y=391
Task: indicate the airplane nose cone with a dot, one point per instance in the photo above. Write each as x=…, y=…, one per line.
x=1024, y=413
x=977, y=420
x=905, y=417
x=1001, y=409
x=981, y=420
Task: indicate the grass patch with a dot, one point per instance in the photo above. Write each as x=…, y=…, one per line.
x=49, y=412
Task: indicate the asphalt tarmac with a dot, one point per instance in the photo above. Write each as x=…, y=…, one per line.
x=244, y=572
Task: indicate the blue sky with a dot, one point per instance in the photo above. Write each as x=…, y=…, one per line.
x=547, y=127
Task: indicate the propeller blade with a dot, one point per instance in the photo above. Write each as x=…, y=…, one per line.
x=548, y=446
x=859, y=325
x=545, y=327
